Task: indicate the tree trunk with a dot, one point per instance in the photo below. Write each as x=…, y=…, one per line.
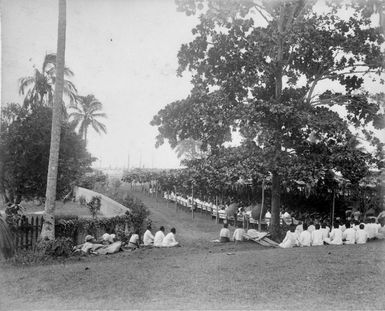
x=275, y=203
x=48, y=230
x=85, y=135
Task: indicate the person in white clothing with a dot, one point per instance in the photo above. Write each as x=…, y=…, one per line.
x=371, y=228
x=148, y=238
x=304, y=237
x=224, y=234
x=299, y=228
x=169, y=239
x=325, y=231
x=290, y=240
x=349, y=235
x=238, y=234
x=335, y=236
x=361, y=235
x=134, y=240
x=159, y=236
x=316, y=236
x=311, y=227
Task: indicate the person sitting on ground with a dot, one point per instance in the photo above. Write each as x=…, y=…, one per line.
x=371, y=228
x=148, y=238
x=304, y=237
x=361, y=235
x=299, y=228
x=342, y=227
x=169, y=239
x=134, y=240
x=316, y=236
x=238, y=234
x=335, y=235
x=349, y=235
x=325, y=231
x=291, y=239
x=311, y=227
x=224, y=234
x=159, y=236
x=381, y=231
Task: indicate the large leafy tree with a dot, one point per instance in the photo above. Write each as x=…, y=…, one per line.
x=86, y=113
x=258, y=68
x=24, y=154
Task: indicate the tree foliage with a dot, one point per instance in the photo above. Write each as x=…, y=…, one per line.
x=24, y=153
x=260, y=68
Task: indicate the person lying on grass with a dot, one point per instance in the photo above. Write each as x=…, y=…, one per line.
x=159, y=236
x=89, y=246
x=169, y=239
x=224, y=234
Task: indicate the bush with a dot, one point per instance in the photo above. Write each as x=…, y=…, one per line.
x=60, y=247
x=94, y=206
x=82, y=200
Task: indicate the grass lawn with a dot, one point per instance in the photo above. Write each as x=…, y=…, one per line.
x=203, y=275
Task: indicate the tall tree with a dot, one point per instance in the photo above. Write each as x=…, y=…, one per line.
x=257, y=67
x=48, y=229
x=39, y=88
x=85, y=113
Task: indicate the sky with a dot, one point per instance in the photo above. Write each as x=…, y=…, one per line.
x=122, y=51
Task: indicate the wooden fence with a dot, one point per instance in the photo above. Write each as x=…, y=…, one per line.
x=28, y=231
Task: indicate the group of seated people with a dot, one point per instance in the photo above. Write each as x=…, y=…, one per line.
x=160, y=239
x=108, y=244
x=225, y=235
x=320, y=234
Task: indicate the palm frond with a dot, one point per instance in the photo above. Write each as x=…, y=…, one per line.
x=98, y=127
x=24, y=83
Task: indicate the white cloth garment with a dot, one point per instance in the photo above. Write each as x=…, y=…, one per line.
x=148, y=238
x=371, y=229
x=134, y=239
x=238, y=234
x=325, y=233
x=305, y=238
x=225, y=232
x=311, y=228
x=336, y=236
x=361, y=236
x=290, y=240
x=317, y=238
x=169, y=240
x=158, y=239
x=349, y=235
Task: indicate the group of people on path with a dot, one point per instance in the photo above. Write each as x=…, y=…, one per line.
x=320, y=234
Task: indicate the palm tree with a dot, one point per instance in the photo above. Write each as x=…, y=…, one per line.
x=48, y=229
x=85, y=114
x=39, y=88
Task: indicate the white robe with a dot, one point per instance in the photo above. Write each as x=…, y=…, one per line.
x=290, y=240
x=169, y=240
x=148, y=238
x=305, y=238
x=335, y=237
x=350, y=236
x=158, y=239
x=361, y=236
x=317, y=238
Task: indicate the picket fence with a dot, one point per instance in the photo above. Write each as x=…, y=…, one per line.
x=28, y=231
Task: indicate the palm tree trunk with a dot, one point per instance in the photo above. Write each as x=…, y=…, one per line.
x=48, y=230
x=85, y=134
